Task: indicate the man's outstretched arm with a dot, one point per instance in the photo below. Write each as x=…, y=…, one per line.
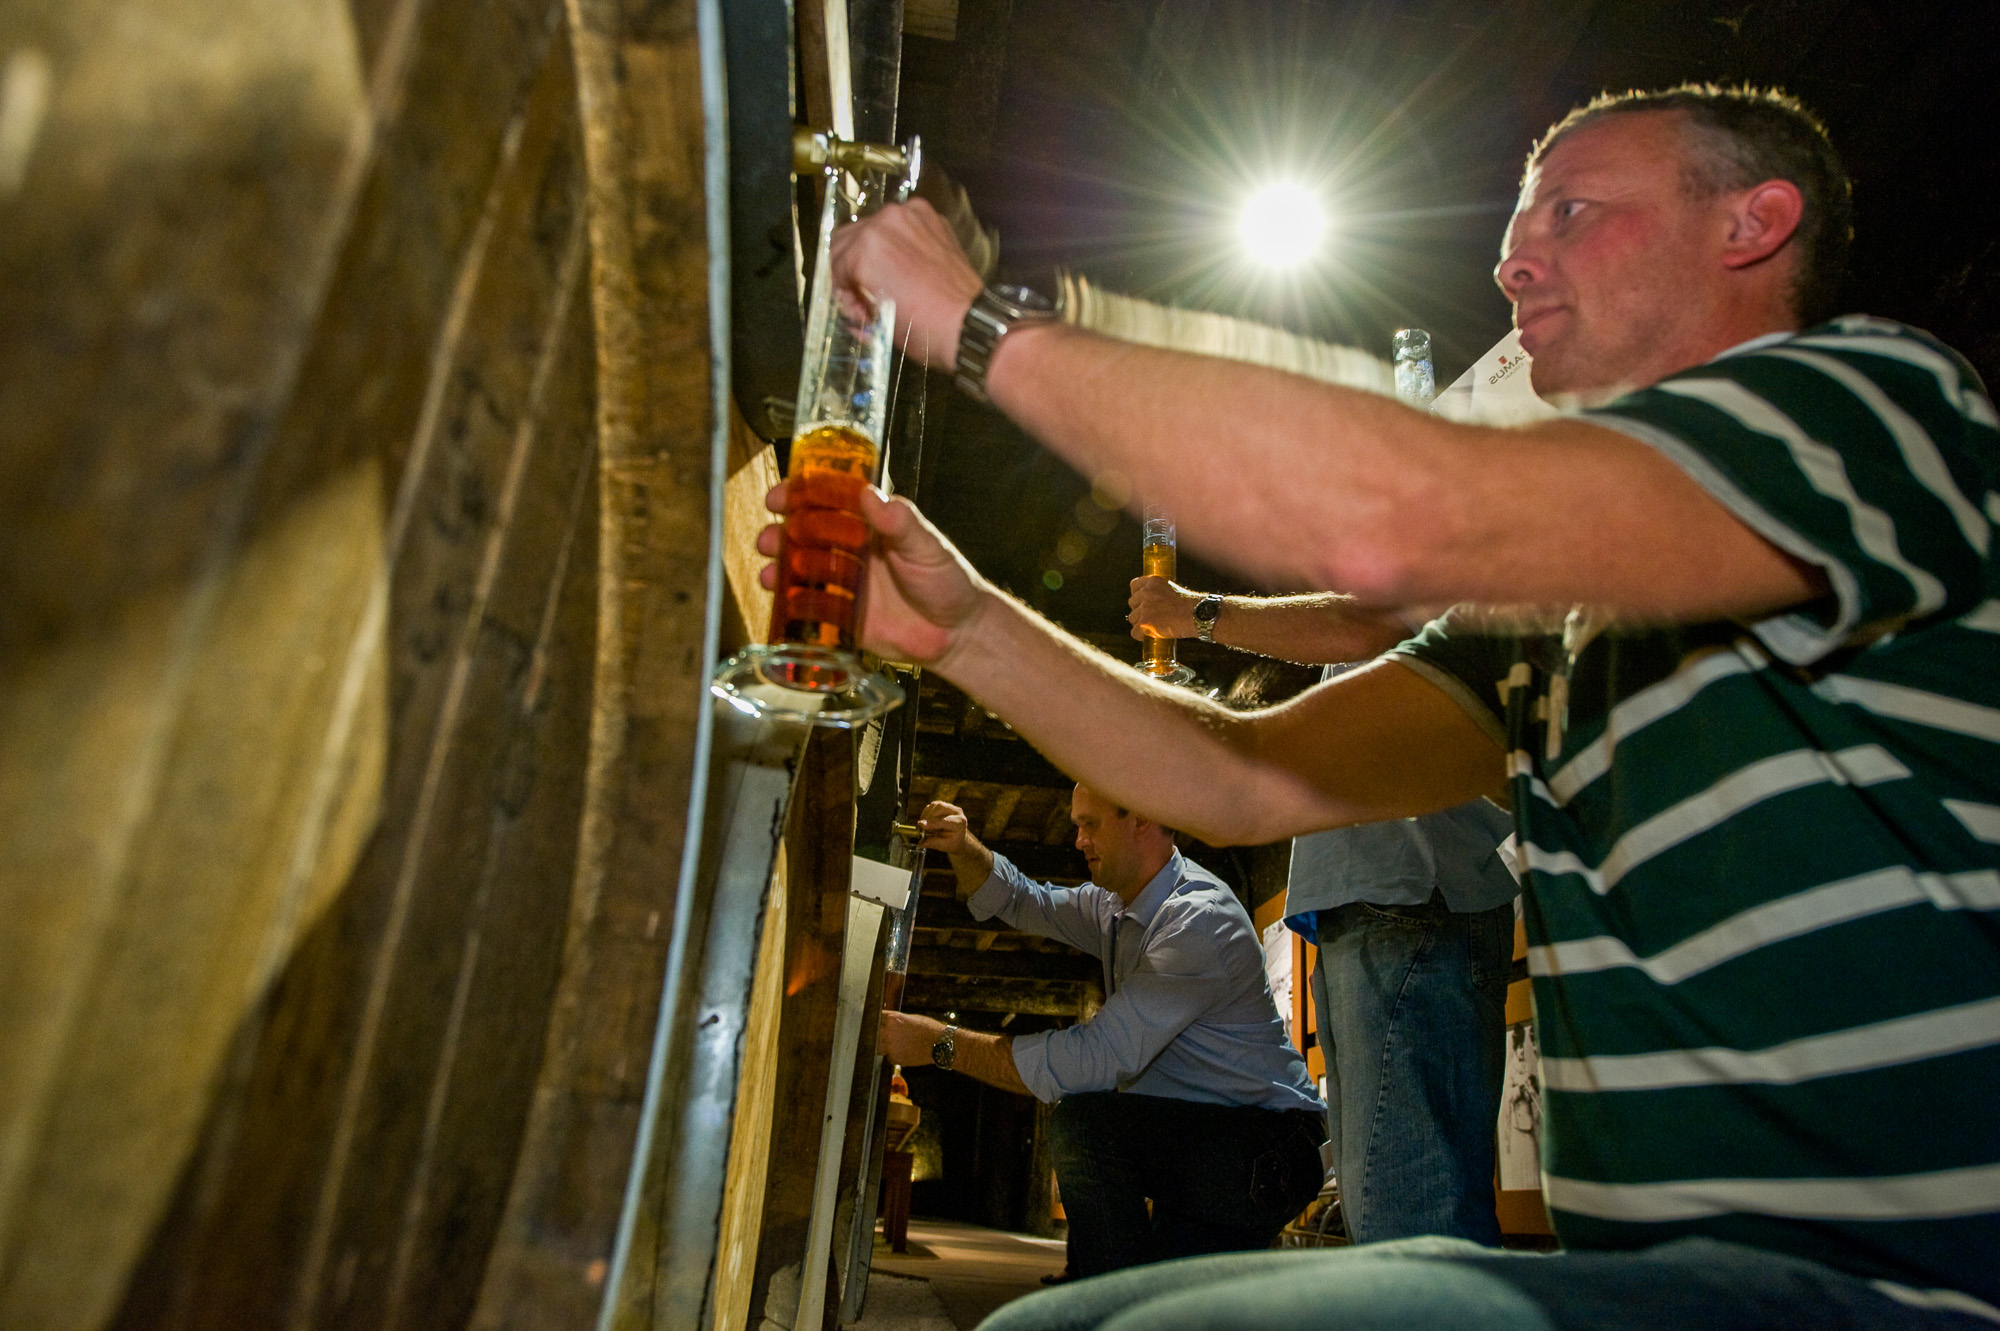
x=1319, y=628
x=1304, y=484
x=1379, y=742
x=1037, y=908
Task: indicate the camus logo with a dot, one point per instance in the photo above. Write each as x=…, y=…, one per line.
x=1506, y=366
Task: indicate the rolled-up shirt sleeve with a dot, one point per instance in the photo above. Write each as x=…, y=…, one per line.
x=1079, y=916
x=1168, y=991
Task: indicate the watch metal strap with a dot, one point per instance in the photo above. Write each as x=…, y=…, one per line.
x=1204, y=625
x=993, y=315
x=945, y=1052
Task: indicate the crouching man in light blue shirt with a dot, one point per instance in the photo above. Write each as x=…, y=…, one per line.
x=1184, y=1088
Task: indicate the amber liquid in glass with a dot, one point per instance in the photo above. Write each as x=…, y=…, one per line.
x=1160, y=560
x=823, y=551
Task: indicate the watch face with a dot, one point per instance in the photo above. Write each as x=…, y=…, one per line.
x=1024, y=297
x=1207, y=609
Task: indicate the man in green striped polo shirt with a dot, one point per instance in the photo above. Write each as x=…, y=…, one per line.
x=1753, y=752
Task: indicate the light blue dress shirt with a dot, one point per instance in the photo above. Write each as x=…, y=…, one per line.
x=1454, y=852
x=1188, y=1012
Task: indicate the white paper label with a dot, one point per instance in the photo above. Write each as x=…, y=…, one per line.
x=876, y=881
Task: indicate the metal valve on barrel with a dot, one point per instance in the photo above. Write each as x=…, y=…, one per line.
x=815, y=150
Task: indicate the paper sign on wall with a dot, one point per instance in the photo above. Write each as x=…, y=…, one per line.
x=876, y=881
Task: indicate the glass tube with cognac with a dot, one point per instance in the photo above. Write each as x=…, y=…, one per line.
x=810, y=667
x=1159, y=555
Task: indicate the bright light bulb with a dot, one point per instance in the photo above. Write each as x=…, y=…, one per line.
x=1282, y=224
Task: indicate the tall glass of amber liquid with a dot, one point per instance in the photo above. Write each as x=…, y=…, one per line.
x=810, y=668
x=1159, y=555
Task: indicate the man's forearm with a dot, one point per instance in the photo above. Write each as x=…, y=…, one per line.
x=1280, y=476
x=1303, y=484
x=1229, y=778
x=910, y=1040
x=1318, y=629
x=972, y=865
x=988, y=1058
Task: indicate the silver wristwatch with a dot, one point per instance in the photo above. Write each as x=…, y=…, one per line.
x=996, y=312
x=1206, y=611
x=944, y=1053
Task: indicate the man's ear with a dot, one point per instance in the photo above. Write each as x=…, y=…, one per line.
x=1761, y=220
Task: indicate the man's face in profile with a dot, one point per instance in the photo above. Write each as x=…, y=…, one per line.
x=1605, y=258
x=1106, y=840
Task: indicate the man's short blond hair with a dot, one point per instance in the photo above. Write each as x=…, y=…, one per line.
x=1743, y=136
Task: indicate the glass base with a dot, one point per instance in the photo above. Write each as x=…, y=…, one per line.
x=787, y=681
x=1178, y=674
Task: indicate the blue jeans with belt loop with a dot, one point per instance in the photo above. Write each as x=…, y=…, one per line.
x=1411, y=1004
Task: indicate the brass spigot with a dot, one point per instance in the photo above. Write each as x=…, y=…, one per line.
x=909, y=831
x=818, y=150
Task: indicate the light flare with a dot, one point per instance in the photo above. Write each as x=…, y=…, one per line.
x=1282, y=224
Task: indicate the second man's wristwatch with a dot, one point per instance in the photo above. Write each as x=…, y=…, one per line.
x=1206, y=611
x=996, y=312
x=945, y=1052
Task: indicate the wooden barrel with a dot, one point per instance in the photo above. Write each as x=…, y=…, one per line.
x=358, y=587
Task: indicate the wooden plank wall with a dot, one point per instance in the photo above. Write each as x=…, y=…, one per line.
x=818, y=850
x=750, y=1130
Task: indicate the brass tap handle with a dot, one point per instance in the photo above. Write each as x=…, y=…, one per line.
x=907, y=830
x=818, y=150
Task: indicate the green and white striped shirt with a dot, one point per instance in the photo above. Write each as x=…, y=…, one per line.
x=1766, y=857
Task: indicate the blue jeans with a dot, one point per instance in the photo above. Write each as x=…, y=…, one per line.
x=1222, y=1178
x=1452, y=1285
x=1412, y=1004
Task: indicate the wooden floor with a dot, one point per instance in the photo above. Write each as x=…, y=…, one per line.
x=953, y=1276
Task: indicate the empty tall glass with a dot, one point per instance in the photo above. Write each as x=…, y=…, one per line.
x=1416, y=383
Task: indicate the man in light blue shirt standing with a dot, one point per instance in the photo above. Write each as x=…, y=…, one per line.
x=1183, y=1090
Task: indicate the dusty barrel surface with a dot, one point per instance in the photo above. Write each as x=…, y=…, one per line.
x=356, y=456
